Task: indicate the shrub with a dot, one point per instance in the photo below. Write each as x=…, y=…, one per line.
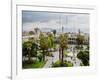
x=84, y=57
x=66, y=64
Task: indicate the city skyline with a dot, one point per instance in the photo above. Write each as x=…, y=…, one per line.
x=49, y=20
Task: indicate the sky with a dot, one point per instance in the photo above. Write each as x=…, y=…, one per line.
x=46, y=21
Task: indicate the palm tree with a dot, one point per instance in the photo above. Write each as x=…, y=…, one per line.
x=63, y=41
x=43, y=44
x=50, y=41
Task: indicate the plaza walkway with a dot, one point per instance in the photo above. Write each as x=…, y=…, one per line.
x=51, y=59
x=72, y=58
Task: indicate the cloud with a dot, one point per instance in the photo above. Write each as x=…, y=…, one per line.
x=34, y=16
x=50, y=24
x=49, y=20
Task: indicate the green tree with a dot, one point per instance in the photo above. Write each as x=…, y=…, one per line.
x=84, y=57
x=24, y=51
x=31, y=32
x=80, y=40
x=27, y=49
x=34, y=49
x=43, y=44
x=63, y=42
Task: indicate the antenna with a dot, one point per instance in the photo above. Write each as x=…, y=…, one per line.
x=62, y=29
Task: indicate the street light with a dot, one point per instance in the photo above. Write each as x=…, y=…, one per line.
x=52, y=58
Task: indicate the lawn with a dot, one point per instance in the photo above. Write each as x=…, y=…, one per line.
x=66, y=64
x=34, y=64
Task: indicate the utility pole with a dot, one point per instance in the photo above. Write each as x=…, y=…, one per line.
x=62, y=29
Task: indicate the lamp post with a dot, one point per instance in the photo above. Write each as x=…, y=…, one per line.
x=52, y=59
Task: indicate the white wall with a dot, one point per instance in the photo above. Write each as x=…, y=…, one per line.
x=5, y=32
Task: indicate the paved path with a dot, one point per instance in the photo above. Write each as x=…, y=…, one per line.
x=76, y=62
x=49, y=62
x=56, y=56
x=51, y=59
